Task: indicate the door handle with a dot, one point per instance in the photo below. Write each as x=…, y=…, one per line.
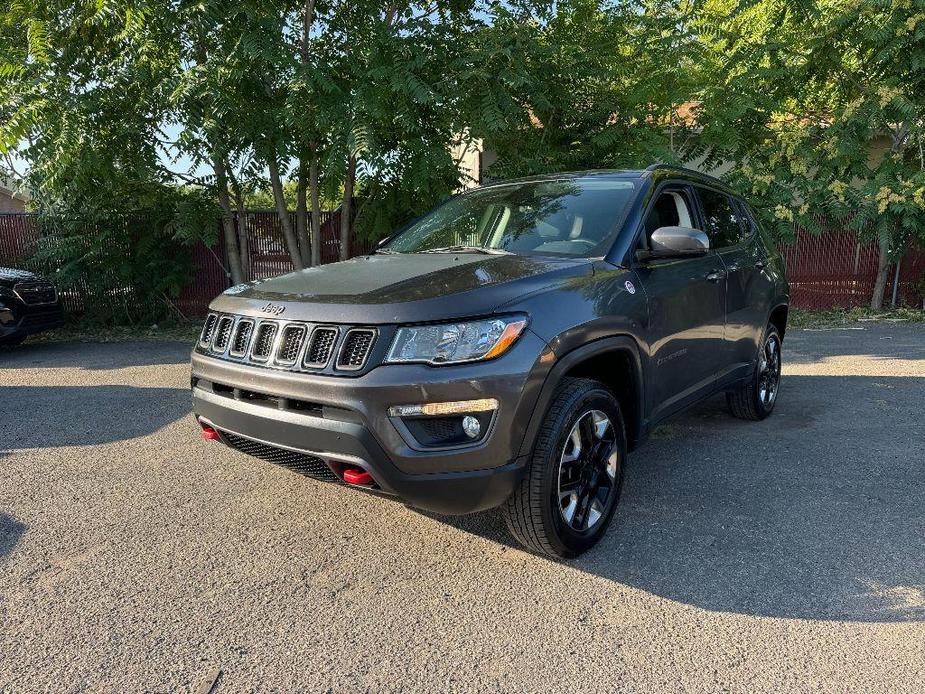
x=716, y=275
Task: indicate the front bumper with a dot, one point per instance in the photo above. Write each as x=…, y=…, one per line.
x=19, y=319
x=345, y=422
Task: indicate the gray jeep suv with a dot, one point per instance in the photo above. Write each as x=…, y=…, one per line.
x=507, y=349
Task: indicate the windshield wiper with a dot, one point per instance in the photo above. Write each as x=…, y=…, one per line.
x=386, y=251
x=467, y=249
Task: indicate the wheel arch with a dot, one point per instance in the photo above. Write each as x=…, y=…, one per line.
x=778, y=318
x=616, y=362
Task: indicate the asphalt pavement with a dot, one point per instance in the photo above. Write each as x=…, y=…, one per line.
x=780, y=556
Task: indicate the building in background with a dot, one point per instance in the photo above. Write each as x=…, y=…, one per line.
x=12, y=199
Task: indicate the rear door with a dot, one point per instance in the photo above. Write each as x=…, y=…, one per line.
x=686, y=309
x=734, y=237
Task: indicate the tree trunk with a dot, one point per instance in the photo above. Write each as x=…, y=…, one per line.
x=883, y=271
x=316, y=209
x=228, y=231
x=241, y=224
x=345, y=207
x=292, y=244
x=242, y=233
x=301, y=218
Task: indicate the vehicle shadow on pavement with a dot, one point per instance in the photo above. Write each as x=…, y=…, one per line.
x=54, y=416
x=870, y=341
x=11, y=530
x=94, y=355
x=815, y=513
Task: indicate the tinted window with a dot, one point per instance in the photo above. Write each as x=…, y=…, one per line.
x=721, y=218
x=576, y=217
x=670, y=209
x=748, y=218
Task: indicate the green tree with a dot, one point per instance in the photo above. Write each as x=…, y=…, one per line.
x=821, y=105
x=583, y=84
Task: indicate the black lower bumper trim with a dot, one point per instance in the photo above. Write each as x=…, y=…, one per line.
x=302, y=463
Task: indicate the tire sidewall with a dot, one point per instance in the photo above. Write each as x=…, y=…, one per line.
x=766, y=410
x=569, y=540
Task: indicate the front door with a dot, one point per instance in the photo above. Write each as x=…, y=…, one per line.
x=686, y=309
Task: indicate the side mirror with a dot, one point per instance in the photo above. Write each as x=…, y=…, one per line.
x=676, y=242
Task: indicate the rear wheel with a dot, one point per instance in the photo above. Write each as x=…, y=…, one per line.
x=755, y=399
x=565, y=502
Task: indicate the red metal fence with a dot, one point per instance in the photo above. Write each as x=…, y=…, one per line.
x=825, y=271
x=832, y=270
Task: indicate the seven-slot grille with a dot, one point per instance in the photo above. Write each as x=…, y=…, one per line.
x=287, y=344
x=36, y=293
x=355, y=349
x=320, y=348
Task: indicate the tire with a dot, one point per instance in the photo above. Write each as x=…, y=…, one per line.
x=755, y=399
x=568, y=496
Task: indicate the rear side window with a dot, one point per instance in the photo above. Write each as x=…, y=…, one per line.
x=748, y=219
x=721, y=218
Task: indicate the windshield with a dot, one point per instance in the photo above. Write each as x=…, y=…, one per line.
x=572, y=217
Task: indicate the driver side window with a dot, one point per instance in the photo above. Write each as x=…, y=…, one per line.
x=672, y=208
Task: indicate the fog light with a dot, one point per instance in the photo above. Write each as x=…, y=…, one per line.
x=471, y=426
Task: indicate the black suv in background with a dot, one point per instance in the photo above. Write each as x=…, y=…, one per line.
x=507, y=349
x=28, y=304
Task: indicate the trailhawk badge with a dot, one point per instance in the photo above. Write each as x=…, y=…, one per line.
x=629, y=287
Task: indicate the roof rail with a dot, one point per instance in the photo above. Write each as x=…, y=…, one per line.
x=684, y=169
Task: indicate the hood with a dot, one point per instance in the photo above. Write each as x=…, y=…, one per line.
x=10, y=276
x=379, y=289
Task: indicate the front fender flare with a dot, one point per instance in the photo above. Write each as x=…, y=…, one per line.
x=565, y=363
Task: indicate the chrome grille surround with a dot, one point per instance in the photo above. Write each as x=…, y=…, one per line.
x=208, y=328
x=356, y=348
x=222, y=334
x=291, y=345
x=36, y=293
x=243, y=333
x=263, y=340
x=320, y=347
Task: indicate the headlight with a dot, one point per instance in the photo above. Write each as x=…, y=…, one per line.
x=452, y=343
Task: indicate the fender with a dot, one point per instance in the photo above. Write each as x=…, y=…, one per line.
x=782, y=301
x=617, y=343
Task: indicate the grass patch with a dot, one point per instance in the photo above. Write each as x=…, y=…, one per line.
x=173, y=331
x=841, y=317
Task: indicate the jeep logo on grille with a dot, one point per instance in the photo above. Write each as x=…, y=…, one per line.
x=273, y=309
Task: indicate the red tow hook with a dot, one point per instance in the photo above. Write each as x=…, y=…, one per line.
x=355, y=475
x=210, y=433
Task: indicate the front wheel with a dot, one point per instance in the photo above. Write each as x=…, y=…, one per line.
x=755, y=399
x=565, y=502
